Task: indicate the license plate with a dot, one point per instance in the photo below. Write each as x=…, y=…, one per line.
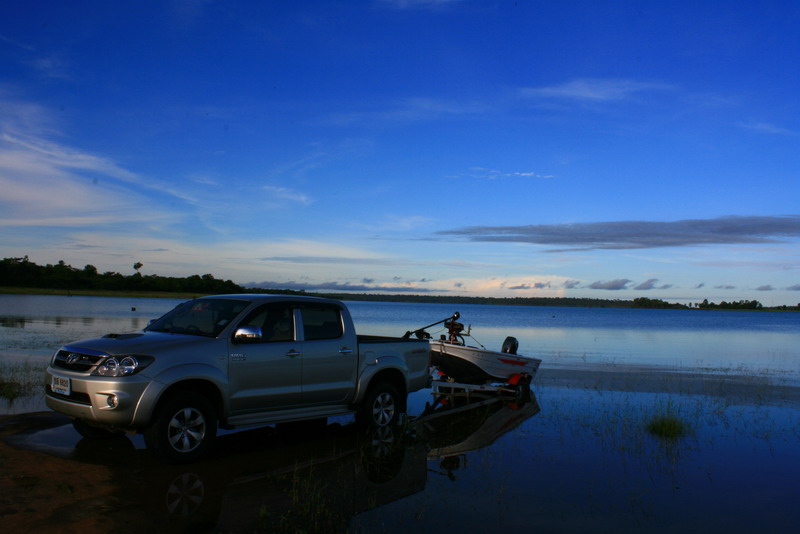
x=60, y=385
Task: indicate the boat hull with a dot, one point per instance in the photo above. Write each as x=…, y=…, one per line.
x=476, y=365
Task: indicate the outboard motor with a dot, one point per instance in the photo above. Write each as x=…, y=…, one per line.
x=510, y=345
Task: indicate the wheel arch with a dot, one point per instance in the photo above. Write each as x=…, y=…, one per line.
x=393, y=376
x=203, y=386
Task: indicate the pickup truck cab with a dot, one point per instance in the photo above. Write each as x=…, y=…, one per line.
x=230, y=361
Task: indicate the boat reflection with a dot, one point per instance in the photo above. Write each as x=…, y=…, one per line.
x=455, y=425
x=310, y=477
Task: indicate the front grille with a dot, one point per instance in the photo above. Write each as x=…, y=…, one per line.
x=76, y=361
x=80, y=398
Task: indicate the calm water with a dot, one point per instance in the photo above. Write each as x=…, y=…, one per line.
x=577, y=459
x=757, y=342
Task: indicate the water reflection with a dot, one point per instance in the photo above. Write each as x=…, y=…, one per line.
x=454, y=426
x=308, y=477
x=753, y=342
x=12, y=322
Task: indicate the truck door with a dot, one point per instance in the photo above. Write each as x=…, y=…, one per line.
x=265, y=372
x=330, y=354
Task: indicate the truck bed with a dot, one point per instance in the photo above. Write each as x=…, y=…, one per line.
x=384, y=339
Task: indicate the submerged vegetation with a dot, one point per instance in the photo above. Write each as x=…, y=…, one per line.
x=668, y=426
x=18, y=380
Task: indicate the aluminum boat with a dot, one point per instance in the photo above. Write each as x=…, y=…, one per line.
x=476, y=365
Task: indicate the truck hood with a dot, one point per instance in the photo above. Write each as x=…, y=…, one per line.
x=138, y=343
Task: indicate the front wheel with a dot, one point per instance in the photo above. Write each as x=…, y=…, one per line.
x=183, y=429
x=382, y=406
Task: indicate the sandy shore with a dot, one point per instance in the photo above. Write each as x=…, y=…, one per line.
x=43, y=493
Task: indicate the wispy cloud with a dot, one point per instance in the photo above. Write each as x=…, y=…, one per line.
x=417, y=4
x=48, y=183
x=16, y=43
x=483, y=173
x=623, y=235
x=58, y=156
x=767, y=128
x=593, y=89
x=409, y=110
x=336, y=286
x=52, y=67
x=334, y=260
x=284, y=193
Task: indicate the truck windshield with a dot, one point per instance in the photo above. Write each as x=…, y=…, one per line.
x=202, y=317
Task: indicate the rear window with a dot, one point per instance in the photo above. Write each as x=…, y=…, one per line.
x=322, y=322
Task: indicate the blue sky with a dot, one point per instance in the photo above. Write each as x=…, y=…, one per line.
x=492, y=148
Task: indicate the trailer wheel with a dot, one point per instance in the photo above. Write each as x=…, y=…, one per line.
x=183, y=429
x=523, y=389
x=382, y=406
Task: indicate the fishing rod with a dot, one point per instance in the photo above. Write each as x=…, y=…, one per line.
x=422, y=334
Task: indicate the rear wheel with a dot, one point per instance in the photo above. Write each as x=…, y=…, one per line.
x=382, y=406
x=184, y=428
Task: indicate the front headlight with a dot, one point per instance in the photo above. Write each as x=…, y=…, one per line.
x=122, y=365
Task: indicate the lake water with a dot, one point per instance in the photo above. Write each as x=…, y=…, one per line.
x=761, y=343
x=578, y=458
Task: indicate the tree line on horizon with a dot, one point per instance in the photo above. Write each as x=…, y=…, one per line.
x=23, y=273
x=20, y=272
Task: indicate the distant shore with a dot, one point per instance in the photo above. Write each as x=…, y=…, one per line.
x=550, y=301
x=4, y=290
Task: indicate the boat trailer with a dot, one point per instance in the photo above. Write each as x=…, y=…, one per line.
x=517, y=387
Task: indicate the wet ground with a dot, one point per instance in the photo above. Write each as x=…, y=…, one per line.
x=576, y=458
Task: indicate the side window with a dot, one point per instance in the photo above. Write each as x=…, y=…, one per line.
x=276, y=322
x=322, y=322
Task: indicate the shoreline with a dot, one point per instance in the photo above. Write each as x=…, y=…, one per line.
x=548, y=302
x=6, y=290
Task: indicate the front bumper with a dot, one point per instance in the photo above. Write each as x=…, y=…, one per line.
x=106, y=401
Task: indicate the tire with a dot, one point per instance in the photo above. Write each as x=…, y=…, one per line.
x=523, y=389
x=183, y=430
x=90, y=431
x=382, y=406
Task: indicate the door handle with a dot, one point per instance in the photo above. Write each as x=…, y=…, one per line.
x=345, y=350
x=294, y=353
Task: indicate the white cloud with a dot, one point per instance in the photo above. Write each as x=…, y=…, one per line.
x=593, y=89
x=494, y=174
x=284, y=193
x=418, y=4
x=410, y=110
x=768, y=128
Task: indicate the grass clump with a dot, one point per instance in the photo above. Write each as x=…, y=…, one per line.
x=667, y=423
x=19, y=379
x=9, y=390
x=668, y=426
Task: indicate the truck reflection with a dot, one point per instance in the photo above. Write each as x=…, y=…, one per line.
x=307, y=477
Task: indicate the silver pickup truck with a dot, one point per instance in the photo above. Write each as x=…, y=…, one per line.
x=229, y=361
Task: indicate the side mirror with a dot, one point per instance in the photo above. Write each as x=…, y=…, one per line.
x=247, y=334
